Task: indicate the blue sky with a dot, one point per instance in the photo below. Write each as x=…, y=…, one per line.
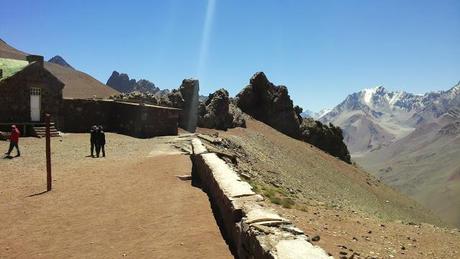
x=321, y=50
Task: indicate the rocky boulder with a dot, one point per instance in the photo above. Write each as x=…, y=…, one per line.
x=328, y=138
x=189, y=90
x=270, y=104
x=217, y=112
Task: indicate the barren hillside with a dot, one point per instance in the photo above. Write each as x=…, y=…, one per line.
x=350, y=211
x=423, y=166
x=309, y=175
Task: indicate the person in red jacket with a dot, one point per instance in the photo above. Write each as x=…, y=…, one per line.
x=14, y=140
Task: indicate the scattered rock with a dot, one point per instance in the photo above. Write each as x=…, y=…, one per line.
x=315, y=238
x=186, y=177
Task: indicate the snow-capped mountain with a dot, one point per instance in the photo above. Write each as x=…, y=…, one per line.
x=373, y=118
x=314, y=115
x=409, y=141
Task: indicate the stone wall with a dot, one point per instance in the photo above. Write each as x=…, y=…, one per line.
x=251, y=229
x=143, y=121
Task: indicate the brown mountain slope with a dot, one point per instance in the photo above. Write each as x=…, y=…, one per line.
x=307, y=175
x=347, y=211
x=77, y=83
x=424, y=166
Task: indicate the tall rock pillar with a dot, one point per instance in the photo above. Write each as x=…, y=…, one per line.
x=189, y=90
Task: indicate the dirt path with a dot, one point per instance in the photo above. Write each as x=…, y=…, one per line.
x=129, y=204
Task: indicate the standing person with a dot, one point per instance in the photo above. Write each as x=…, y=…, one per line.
x=101, y=140
x=14, y=140
x=93, y=137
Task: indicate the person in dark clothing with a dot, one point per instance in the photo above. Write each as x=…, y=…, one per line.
x=14, y=140
x=93, y=137
x=100, y=141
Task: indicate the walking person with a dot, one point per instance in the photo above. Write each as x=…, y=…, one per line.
x=14, y=140
x=101, y=141
x=93, y=137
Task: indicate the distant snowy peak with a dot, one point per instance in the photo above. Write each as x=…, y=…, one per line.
x=376, y=117
x=314, y=115
x=455, y=91
x=380, y=99
x=322, y=113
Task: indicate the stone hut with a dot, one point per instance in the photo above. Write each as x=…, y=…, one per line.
x=27, y=91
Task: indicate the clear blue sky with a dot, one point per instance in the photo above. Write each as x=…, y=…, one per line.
x=321, y=50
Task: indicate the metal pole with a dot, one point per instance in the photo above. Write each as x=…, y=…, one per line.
x=48, y=153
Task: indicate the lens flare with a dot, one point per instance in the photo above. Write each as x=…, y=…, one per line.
x=207, y=28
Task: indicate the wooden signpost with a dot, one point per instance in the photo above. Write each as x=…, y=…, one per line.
x=48, y=154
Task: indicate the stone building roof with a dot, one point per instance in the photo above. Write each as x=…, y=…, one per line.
x=10, y=67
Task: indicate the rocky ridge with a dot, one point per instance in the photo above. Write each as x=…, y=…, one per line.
x=124, y=84
x=272, y=105
x=260, y=99
x=410, y=142
x=326, y=137
x=373, y=118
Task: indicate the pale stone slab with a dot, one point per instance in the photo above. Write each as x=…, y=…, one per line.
x=299, y=249
x=198, y=147
x=258, y=214
x=228, y=180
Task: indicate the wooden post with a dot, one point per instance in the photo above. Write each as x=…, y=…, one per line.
x=48, y=154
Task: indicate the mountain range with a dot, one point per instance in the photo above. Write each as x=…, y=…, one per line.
x=410, y=141
x=122, y=83
x=314, y=115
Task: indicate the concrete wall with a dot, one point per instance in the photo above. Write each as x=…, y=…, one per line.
x=251, y=229
x=78, y=115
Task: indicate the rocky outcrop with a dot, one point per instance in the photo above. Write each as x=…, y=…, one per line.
x=122, y=83
x=270, y=104
x=60, y=61
x=189, y=90
x=218, y=113
x=328, y=138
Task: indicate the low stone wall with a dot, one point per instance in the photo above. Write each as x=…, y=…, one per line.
x=143, y=121
x=252, y=230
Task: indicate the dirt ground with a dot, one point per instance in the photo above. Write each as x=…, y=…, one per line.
x=344, y=233
x=129, y=204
